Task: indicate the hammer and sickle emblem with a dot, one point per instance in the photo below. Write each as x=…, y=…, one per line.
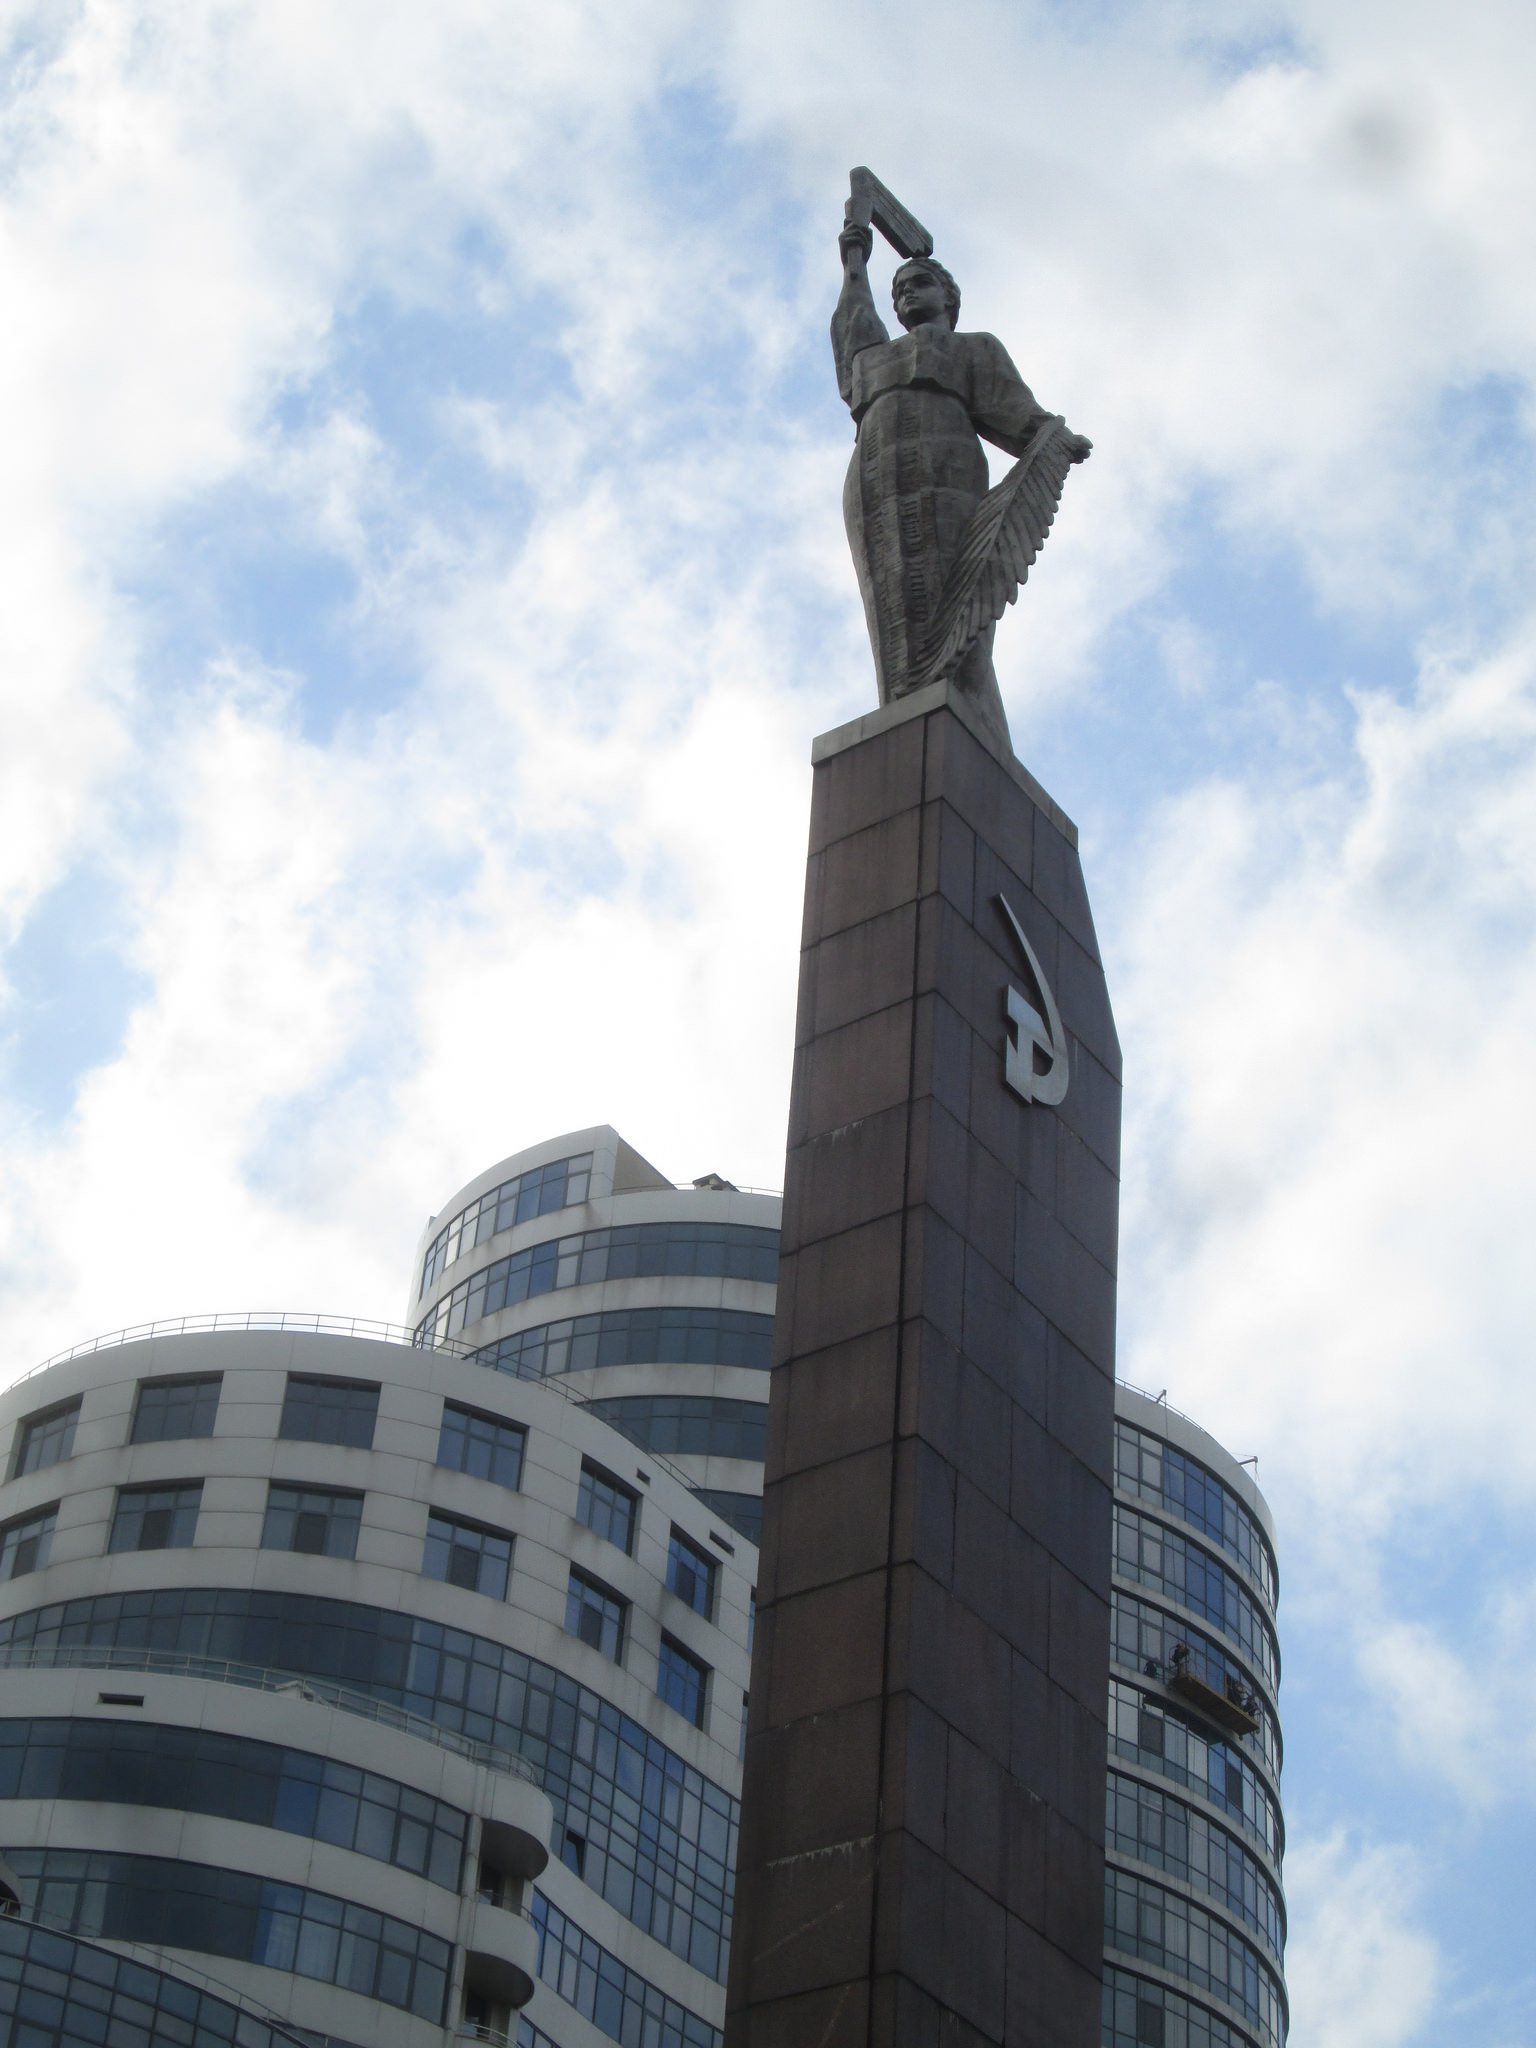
x=1030, y=1033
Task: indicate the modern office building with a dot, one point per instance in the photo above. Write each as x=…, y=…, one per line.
x=377, y=1686
x=1194, y=1919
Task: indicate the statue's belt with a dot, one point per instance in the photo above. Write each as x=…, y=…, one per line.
x=911, y=361
x=859, y=407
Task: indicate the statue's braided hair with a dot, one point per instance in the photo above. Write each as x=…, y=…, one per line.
x=940, y=276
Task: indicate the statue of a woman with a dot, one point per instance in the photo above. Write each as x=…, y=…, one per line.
x=938, y=554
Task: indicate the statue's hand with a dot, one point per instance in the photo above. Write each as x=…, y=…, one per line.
x=1079, y=447
x=855, y=237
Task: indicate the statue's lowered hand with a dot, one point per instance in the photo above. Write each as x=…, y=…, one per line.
x=1079, y=448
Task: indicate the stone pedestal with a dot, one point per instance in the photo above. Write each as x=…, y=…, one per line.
x=922, y=1835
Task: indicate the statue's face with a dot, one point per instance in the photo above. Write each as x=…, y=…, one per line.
x=919, y=299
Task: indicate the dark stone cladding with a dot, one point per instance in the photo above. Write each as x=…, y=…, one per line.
x=922, y=1851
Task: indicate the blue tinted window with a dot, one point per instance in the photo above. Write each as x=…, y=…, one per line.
x=464, y=1554
x=635, y=1336
x=691, y=1574
x=484, y=1446
x=165, y=1903
x=744, y=1511
x=661, y=1837
x=1139, y=2013
x=739, y=1251
x=1170, y=1563
x=57, y=1991
x=315, y=1521
x=606, y=1506
x=595, y=1614
x=559, y=1185
x=156, y=1517
x=25, y=1544
x=1144, y=1639
x=1145, y=1730
x=617, y=2000
x=1147, y=1920
x=191, y=1770
x=689, y=1425
x=682, y=1681
x=1156, y=1827
x=185, y=1406
x=322, y=1411
x=46, y=1439
x=1157, y=1472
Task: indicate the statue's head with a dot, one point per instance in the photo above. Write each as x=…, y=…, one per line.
x=924, y=293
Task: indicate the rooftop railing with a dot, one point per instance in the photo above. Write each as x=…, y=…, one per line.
x=304, y=1325
x=248, y=1319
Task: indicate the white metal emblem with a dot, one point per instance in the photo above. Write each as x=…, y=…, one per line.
x=1030, y=1033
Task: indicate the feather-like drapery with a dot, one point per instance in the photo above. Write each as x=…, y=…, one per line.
x=1002, y=538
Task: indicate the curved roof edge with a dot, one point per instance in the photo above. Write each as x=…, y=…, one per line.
x=1131, y=1405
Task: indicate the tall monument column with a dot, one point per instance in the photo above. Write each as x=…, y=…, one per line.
x=922, y=1834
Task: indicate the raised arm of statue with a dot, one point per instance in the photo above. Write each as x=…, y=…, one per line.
x=855, y=323
x=940, y=555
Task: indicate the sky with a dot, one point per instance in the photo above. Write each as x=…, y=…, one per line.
x=424, y=575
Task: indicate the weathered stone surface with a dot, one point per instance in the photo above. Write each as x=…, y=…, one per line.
x=922, y=1854
x=938, y=554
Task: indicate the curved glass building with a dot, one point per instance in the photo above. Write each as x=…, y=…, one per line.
x=1194, y=1914
x=382, y=1687
x=387, y=1686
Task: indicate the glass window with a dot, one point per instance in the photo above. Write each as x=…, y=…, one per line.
x=163, y=1902
x=681, y=1680
x=156, y=1517
x=59, y=1992
x=463, y=1554
x=1159, y=1926
x=1157, y=1472
x=1171, y=1563
x=660, y=1836
x=608, y=1508
x=318, y=1411
x=691, y=1574
x=616, y=1999
x=482, y=1445
x=1157, y=1827
x=313, y=1520
x=559, y=1185
x=24, y=1545
x=180, y=1407
x=689, y=1425
x=595, y=1614
x=744, y=1511
x=1141, y=2014
x=194, y=1770
x=1153, y=1643
x=623, y=1251
x=46, y=1439
x=635, y=1336
x=1146, y=1732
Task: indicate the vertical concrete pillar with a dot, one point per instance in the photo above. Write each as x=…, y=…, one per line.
x=922, y=1835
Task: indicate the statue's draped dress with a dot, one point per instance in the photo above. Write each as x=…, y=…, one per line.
x=917, y=474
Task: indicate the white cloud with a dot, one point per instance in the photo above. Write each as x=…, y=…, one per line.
x=1362, y=1970
x=1329, y=993
x=1269, y=260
